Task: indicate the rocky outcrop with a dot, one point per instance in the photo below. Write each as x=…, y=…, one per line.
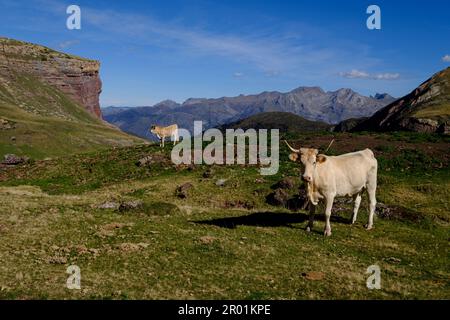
x=76, y=77
x=426, y=109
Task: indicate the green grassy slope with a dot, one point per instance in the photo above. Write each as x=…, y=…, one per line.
x=221, y=242
x=285, y=121
x=48, y=123
x=439, y=107
x=425, y=109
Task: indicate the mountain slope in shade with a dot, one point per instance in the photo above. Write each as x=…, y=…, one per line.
x=284, y=121
x=425, y=109
x=311, y=103
x=37, y=118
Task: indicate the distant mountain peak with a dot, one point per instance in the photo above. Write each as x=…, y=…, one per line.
x=382, y=96
x=314, y=89
x=167, y=103
x=311, y=103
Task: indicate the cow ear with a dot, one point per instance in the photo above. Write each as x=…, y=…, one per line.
x=321, y=158
x=293, y=157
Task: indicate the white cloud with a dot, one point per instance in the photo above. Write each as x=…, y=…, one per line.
x=356, y=74
x=273, y=73
x=238, y=75
x=266, y=51
x=446, y=58
x=386, y=76
x=69, y=43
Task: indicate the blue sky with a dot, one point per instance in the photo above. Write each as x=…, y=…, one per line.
x=156, y=50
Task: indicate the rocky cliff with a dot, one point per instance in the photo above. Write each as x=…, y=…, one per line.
x=425, y=109
x=76, y=77
x=49, y=104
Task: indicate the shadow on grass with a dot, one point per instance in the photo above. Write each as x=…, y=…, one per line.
x=268, y=219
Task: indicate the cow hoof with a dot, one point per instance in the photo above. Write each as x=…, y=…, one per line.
x=368, y=227
x=327, y=233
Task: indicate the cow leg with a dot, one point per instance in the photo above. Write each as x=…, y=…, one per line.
x=312, y=211
x=329, y=205
x=357, y=199
x=162, y=140
x=372, y=205
x=371, y=191
x=174, y=139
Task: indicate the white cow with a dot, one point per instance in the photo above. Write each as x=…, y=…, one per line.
x=328, y=177
x=163, y=132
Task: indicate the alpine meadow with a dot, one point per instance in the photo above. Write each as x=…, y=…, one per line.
x=94, y=206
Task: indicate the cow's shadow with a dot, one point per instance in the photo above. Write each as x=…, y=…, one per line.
x=269, y=219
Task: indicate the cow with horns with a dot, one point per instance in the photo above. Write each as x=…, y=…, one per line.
x=328, y=177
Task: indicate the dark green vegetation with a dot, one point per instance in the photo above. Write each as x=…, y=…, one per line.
x=284, y=121
x=221, y=242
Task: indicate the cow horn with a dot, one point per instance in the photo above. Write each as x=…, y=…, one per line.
x=329, y=146
x=292, y=149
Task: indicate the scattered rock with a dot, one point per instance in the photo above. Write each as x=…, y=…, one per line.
x=183, y=190
x=144, y=161
x=13, y=138
x=393, y=259
x=131, y=247
x=299, y=201
x=12, y=159
x=221, y=182
x=278, y=198
x=156, y=158
x=239, y=204
x=313, y=275
x=6, y=124
x=390, y=212
x=444, y=128
x=208, y=173
x=109, y=229
x=285, y=183
x=57, y=260
x=207, y=239
x=259, y=180
x=130, y=205
x=109, y=205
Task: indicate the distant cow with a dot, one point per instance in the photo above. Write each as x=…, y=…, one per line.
x=330, y=176
x=163, y=132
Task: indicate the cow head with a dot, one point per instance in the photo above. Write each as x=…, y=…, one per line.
x=309, y=157
x=152, y=129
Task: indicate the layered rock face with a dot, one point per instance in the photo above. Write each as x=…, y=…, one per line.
x=426, y=109
x=76, y=77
